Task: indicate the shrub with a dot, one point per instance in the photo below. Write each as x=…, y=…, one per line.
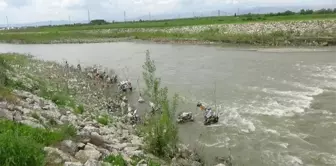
x=161, y=131
x=79, y=109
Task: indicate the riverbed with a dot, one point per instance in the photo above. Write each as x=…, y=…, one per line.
x=276, y=107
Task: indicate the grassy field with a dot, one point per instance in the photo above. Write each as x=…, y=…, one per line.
x=181, y=22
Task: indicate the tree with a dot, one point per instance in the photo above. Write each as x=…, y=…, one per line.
x=98, y=22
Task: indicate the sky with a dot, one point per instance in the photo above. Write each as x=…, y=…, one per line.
x=26, y=11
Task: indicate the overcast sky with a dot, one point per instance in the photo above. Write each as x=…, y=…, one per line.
x=24, y=11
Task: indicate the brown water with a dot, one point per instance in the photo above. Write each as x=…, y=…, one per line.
x=277, y=106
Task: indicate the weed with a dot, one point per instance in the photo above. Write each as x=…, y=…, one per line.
x=7, y=95
x=104, y=119
x=20, y=150
x=68, y=130
x=79, y=109
x=21, y=145
x=117, y=160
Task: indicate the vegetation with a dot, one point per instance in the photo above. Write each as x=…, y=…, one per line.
x=21, y=145
x=117, y=160
x=149, y=162
x=161, y=131
x=102, y=24
x=317, y=33
x=104, y=119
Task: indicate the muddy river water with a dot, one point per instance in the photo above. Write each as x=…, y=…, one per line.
x=276, y=106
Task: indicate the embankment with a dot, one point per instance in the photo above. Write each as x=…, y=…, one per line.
x=74, y=119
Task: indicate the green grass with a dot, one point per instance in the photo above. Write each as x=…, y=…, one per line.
x=104, y=119
x=182, y=22
x=79, y=109
x=21, y=145
x=117, y=160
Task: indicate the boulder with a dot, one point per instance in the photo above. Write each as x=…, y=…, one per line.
x=85, y=155
x=69, y=146
x=96, y=139
x=4, y=113
x=56, y=156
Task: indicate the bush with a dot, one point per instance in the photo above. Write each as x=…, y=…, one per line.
x=161, y=131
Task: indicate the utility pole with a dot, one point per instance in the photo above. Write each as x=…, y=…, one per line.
x=7, y=22
x=194, y=14
x=89, y=16
x=50, y=23
x=218, y=13
x=124, y=16
x=69, y=20
x=149, y=16
x=238, y=12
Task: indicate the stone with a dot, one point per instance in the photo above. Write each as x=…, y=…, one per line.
x=56, y=156
x=92, y=162
x=4, y=113
x=32, y=124
x=135, y=140
x=84, y=155
x=104, y=152
x=69, y=147
x=91, y=129
x=73, y=164
x=133, y=151
x=142, y=163
x=220, y=164
x=196, y=163
x=117, y=147
x=96, y=139
x=80, y=146
x=51, y=114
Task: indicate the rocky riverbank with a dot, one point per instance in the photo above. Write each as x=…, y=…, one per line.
x=52, y=98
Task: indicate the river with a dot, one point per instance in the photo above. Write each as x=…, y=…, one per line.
x=277, y=106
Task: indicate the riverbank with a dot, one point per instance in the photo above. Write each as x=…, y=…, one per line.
x=289, y=33
x=74, y=119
